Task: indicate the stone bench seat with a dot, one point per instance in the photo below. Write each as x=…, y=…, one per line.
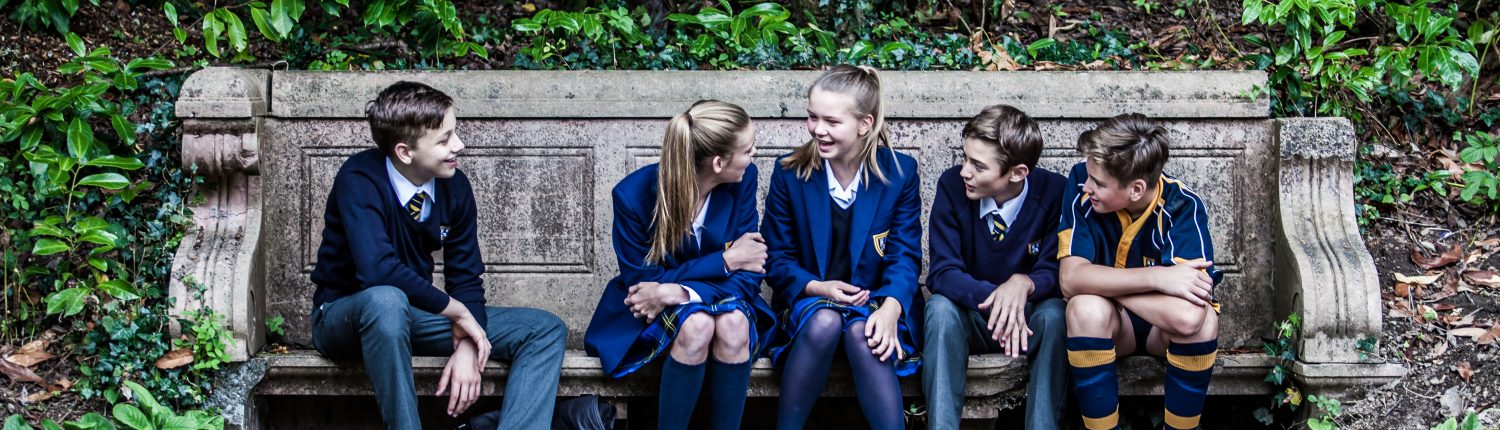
x=544, y=150
x=306, y=373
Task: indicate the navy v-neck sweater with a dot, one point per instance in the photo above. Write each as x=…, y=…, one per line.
x=369, y=239
x=966, y=264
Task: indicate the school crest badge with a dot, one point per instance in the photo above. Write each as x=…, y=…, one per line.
x=1034, y=248
x=879, y=240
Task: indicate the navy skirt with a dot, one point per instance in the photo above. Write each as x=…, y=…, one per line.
x=659, y=335
x=793, y=319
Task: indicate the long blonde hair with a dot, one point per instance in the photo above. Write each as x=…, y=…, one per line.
x=708, y=129
x=863, y=84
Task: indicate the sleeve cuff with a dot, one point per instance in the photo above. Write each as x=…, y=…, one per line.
x=693, y=296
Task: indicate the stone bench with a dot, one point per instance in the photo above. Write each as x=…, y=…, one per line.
x=545, y=148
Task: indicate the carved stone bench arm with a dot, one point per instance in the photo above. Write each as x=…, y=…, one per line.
x=222, y=110
x=1323, y=269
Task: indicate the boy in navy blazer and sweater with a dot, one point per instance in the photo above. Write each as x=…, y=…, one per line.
x=391, y=207
x=994, y=268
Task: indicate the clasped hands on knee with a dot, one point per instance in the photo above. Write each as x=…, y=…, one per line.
x=1007, y=314
x=881, y=331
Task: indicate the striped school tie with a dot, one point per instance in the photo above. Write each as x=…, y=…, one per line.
x=997, y=227
x=414, y=206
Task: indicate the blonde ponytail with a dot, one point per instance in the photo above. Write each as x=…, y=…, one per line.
x=708, y=129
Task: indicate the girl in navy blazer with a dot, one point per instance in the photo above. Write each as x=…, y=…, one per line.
x=843, y=236
x=690, y=269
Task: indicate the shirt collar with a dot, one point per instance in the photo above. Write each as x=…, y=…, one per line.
x=698, y=221
x=843, y=196
x=404, y=188
x=1008, y=210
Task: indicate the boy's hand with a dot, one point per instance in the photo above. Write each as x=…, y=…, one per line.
x=747, y=253
x=840, y=292
x=467, y=329
x=881, y=330
x=460, y=379
x=1187, y=280
x=647, y=299
x=1007, y=308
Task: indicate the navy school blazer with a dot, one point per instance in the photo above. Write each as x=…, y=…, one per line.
x=966, y=264
x=731, y=213
x=885, y=251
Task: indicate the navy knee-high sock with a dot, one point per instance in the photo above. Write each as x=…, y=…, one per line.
x=875, y=382
x=727, y=384
x=680, y=385
x=806, y=369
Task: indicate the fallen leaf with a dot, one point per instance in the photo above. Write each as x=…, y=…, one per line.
x=175, y=358
x=1403, y=289
x=1451, y=256
x=1487, y=278
x=18, y=373
x=1489, y=243
x=1490, y=336
x=1469, y=332
x=1419, y=280
x=1442, y=307
x=1464, y=371
x=31, y=353
x=40, y=396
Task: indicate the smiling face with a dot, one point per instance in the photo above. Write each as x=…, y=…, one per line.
x=833, y=125
x=1107, y=194
x=730, y=168
x=435, y=154
x=983, y=175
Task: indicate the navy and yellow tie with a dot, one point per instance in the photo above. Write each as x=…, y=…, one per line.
x=414, y=206
x=997, y=227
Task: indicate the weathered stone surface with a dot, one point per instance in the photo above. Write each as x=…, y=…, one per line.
x=543, y=188
x=773, y=94
x=233, y=393
x=1323, y=269
x=223, y=92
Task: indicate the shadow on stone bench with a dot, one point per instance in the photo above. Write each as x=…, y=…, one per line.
x=995, y=381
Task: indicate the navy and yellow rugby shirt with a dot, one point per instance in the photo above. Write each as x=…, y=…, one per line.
x=1173, y=229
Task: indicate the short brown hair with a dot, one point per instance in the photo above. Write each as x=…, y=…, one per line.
x=403, y=112
x=1129, y=147
x=1013, y=134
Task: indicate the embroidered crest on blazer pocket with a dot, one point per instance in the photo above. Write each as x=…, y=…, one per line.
x=879, y=240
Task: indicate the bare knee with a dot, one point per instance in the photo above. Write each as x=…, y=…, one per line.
x=1091, y=316
x=731, y=336
x=693, y=336
x=1185, y=323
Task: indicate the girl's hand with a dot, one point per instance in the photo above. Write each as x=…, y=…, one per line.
x=881, y=330
x=747, y=253
x=839, y=291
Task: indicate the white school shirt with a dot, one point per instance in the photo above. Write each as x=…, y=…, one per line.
x=1008, y=210
x=405, y=190
x=843, y=196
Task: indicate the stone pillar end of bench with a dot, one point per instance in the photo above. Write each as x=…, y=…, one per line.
x=218, y=264
x=1347, y=380
x=1323, y=270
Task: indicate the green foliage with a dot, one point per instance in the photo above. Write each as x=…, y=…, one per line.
x=274, y=325
x=210, y=338
x=1283, y=353
x=152, y=415
x=1470, y=422
x=45, y=14
x=1329, y=409
x=1482, y=184
x=433, y=25
x=1313, y=73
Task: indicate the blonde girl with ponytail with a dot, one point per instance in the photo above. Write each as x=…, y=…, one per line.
x=691, y=264
x=843, y=235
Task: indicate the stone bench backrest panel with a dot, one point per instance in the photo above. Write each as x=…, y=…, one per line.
x=544, y=152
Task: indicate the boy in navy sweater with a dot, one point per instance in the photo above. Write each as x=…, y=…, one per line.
x=391, y=207
x=994, y=268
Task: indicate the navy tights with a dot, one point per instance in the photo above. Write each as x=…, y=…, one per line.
x=807, y=366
